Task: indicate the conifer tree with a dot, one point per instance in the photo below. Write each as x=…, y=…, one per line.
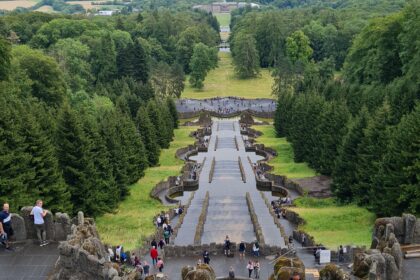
x=344, y=176
x=172, y=109
x=76, y=161
x=156, y=118
x=148, y=134
x=47, y=182
x=400, y=171
x=370, y=154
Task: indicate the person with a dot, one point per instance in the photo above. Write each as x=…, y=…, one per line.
x=166, y=235
x=123, y=257
x=295, y=276
x=341, y=254
x=111, y=254
x=256, y=269
x=6, y=230
x=161, y=244
x=318, y=255
x=241, y=250
x=206, y=257
x=154, y=255
x=199, y=262
x=303, y=240
x=118, y=252
x=159, y=264
x=227, y=246
x=153, y=243
x=231, y=273
x=146, y=268
x=136, y=261
x=256, y=249
x=250, y=267
x=133, y=258
x=38, y=213
x=290, y=239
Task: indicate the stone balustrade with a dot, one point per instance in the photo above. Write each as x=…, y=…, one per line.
x=254, y=219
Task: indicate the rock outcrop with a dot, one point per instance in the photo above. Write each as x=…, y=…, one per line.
x=385, y=259
x=285, y=268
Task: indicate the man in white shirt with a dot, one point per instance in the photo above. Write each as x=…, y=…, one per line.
x=38, y=213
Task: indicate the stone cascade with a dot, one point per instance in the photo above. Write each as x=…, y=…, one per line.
x=227, y=176
x=227, y=215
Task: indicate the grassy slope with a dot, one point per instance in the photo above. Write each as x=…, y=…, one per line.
x=283, y=164
x=222, y=82
x=330, y=224
x=132, y=221
x=334, y=225
x=223, y=18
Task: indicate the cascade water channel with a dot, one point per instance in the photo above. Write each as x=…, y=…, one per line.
x=228, y=212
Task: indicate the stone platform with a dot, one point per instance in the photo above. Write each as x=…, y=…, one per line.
x=28, y=261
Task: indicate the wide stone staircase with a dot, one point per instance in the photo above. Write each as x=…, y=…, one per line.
x=228, y=215
x=187, y=230
x=227, y=170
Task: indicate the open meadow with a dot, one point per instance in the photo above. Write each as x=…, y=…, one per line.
x=333, y=225
x=222, y=81
x=11, y=5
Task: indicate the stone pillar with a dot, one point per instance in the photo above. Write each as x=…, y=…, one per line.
x=80, y=218
x=62, y=226
x=19, y=228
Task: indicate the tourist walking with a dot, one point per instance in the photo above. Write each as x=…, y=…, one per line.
x=250, y=267
x=160, y=264
x=154, y=255
x=166, y=235
x=227, y=246
x=206, y=257
x=256, y=269
x=241, y=250
x=303, y=240
x=6, y=230
x=38, y=213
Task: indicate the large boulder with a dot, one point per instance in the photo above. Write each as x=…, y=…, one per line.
x=285, y=268
x=332, y=272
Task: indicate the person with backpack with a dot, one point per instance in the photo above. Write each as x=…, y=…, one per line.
x=160, y=264
x=146, y=269
x=250, y=267
x=166, y=235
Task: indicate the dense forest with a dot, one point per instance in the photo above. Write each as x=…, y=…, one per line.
x=348, y=96
x=86, y=103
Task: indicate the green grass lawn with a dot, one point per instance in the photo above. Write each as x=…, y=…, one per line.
x=334, y=225
x=132, y=221
x=283, y=163
x=223, y=82
x=223, y=18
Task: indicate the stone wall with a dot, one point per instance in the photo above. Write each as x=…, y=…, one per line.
x=188, y=115
x=217, y=249
x=254, y=219
x=201, y=220
x=275, y=219
x=57, y=226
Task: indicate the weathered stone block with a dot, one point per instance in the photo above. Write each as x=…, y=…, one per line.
x=19, y=228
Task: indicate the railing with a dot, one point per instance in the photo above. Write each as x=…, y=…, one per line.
x=201, y=220
x=241, y=168
x=213, y=163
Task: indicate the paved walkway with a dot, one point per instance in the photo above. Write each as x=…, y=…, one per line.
x=28, y=261
x=228, y=212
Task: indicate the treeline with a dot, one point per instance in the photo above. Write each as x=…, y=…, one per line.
x=361, y=127
x=259, y=36
x=86, y=104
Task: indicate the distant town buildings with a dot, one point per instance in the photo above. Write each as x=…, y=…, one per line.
x=224, y=7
